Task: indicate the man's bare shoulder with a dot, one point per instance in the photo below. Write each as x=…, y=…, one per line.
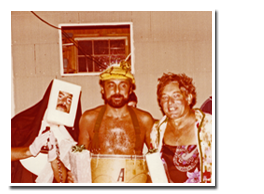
x=91, y=114
x=143, y=115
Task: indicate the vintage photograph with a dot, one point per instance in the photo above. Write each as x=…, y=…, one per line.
x=127, y=96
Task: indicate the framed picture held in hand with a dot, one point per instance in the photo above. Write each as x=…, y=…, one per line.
x=63, y=103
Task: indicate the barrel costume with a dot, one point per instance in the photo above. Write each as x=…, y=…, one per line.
x=108, y=168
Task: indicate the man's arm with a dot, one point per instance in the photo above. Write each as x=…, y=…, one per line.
x=59, y=170
x=84, y=126
x=148, y=123
x=20, y=153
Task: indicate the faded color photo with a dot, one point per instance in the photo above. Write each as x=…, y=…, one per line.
x=113, y=55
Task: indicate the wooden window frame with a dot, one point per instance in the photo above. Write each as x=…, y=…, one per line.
x=100, y=38
x=93, y=38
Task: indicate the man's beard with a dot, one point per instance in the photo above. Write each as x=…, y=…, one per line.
x=116, y=104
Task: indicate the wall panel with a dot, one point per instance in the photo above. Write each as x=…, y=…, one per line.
x=180, y=42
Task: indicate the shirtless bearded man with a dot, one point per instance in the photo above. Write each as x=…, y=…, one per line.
x=116, y=130
x=116, y=134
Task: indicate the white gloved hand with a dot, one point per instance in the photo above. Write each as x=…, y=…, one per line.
x=52, y=155
x=37, y=144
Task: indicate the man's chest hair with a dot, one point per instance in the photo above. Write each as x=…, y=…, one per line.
x=117, y=129
x=119, y=138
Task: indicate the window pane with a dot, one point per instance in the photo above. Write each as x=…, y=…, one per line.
x=101, y=47
x=117, y=47
x=85, y=64
x=82, y=64
x=90, y=65
x=65, y=65
x=85, y=47
x=103, y=63
x=116, y=59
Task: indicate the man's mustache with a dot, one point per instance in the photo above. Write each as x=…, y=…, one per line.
x=117, y=96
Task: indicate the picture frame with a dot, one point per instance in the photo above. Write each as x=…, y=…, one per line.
x=63, y=101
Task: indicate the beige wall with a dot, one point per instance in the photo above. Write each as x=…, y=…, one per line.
x=179, y=42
